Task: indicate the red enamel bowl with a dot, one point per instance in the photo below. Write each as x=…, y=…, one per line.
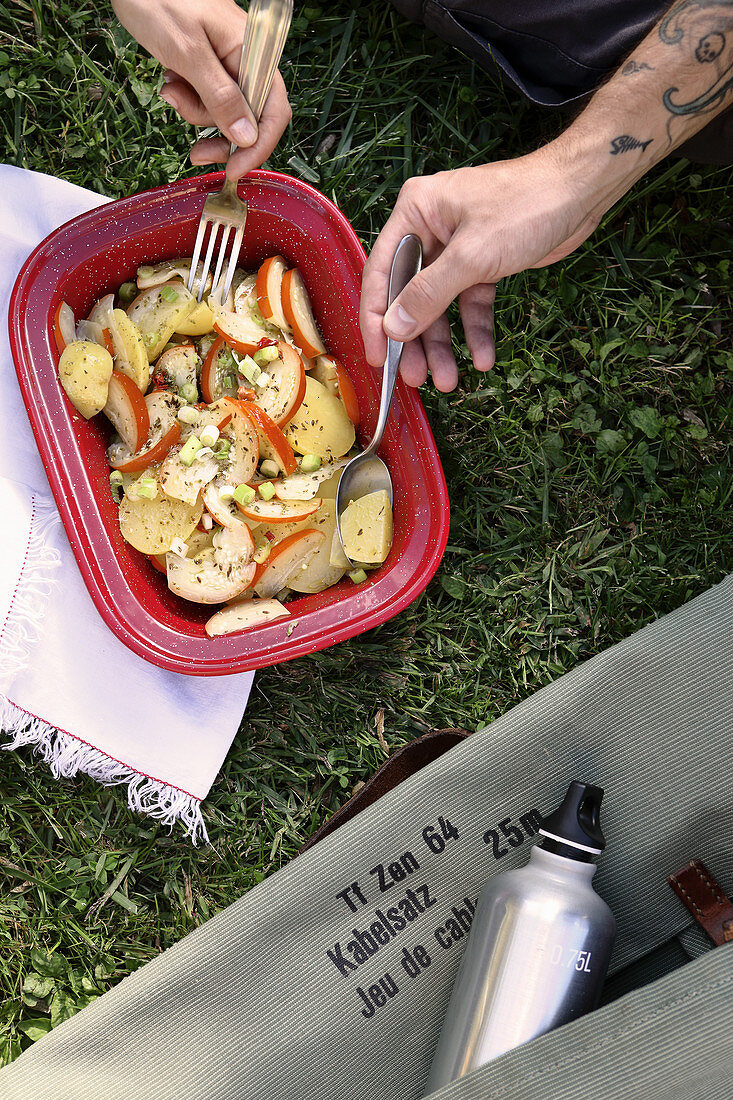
x=91, y=256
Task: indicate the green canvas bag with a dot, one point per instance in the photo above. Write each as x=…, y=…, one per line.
x=329, y=980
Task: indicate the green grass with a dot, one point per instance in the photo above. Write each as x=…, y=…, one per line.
x=589, y=475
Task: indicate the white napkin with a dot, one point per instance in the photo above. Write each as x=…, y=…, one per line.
x=67, y=685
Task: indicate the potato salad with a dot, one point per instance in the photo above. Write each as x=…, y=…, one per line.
x=232, y=424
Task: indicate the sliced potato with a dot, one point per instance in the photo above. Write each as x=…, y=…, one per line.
x=199, y=321
x=320, y=426
x=152, y=525
x=131, y=358
x=319, y=573
x=337, y=557
x=84, y=371
x=157, y=317
x=245, y=614
x=366, y=528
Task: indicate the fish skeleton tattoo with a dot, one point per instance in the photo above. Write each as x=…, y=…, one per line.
x=624, y=143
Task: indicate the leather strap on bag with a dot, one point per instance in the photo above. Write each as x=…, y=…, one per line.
x=698, y=890
x=405, y=762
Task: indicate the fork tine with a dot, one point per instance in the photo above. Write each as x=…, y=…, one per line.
x=207, y=260
x=227, y=228
x=196, y=254
x=227, y=279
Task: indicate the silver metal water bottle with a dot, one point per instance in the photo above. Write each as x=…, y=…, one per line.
x=538, y=949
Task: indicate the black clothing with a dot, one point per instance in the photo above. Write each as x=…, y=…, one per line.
x=557, y=51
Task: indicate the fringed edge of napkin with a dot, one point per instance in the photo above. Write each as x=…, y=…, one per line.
x=66, y=754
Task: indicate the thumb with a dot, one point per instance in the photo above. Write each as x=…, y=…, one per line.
x=428, y=295
x=224, y=101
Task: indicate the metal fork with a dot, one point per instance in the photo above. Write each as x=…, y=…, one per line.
x=268, y=22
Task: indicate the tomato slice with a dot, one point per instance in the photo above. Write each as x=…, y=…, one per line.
x=273, y=439
x=107, y=337
x=299, y=314
x=347, y=393
x=211, y=388
x=283, y=547
x=155, y=454
x=268, y=289
x=280, y=511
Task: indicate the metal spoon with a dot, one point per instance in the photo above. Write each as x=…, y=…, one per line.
x=366, y=473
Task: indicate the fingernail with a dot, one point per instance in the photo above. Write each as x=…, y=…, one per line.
x=168, y=77
x=398, y=323
x=243, y=133
x=169, y=98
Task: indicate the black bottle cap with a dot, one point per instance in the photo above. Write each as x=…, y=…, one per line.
x=576, y=822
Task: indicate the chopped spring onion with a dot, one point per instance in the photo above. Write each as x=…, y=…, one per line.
x=229, y=382
x=206, y=521
x=248, y=368
x=226, y=492
x=189, y=450
x=209, y=435
x=189, y=392
x=204, y=452
x=146, y=487
x=358, y=576
x=179, y=547
x=169, y=294
x=188, y=415
x=244, y=494
x=266, y=490
x=116, y=482
x=127, y=292
x=150, y=339
x=269, y=468
x=250, y=371
x=310, y=463
x=266, y=355
x=221, y=452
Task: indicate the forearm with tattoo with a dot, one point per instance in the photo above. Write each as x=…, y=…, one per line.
x=677, y=79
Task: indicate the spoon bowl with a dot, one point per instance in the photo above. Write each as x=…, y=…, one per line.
x=366, y=473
